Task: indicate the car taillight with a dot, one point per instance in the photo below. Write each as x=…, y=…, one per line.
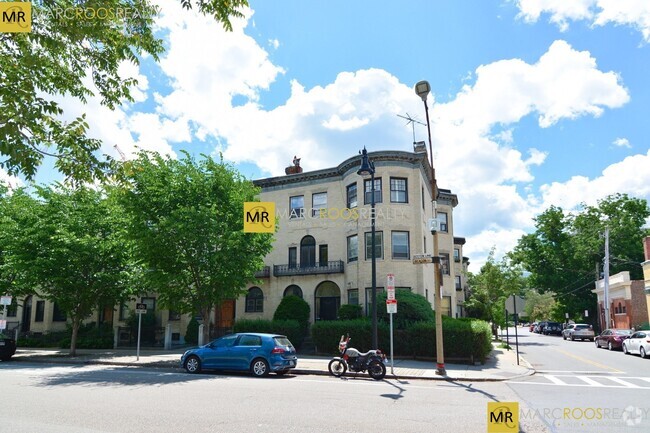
x=277, y=350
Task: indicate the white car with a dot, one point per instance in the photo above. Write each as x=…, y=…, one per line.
x=639, y=342
x=579, y=331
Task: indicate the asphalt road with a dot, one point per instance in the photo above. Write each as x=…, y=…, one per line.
x=579, y=388
x=49, y=398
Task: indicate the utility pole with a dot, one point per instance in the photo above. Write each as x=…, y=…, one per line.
x=606, y=270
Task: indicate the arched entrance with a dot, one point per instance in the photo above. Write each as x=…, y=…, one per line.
x=327, y=301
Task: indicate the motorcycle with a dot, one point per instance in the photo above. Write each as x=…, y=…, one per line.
x=371, y=361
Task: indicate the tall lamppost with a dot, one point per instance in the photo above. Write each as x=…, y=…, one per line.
x=422, y=89
x=368, y=168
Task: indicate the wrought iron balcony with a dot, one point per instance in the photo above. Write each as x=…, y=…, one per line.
x=332, y=267
x=265, y=272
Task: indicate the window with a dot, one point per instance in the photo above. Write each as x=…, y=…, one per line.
x=353, y=296
x=458, y=283
x=379, y=245
x=367, y=187
x=352, y=195
x=322, y=255
x=444, y=263
x=40, y=311
x=12, y=309
x=174, y=316
x=124, y=311
x=58, y=315
x=400, y=245
x=226, y=341
x=456, y=255
x=442, y=221
x=353, y=248
x=425, y=244
x=293, y=290
x=307, y=252
x=297, y=207
x=318, y=202
x=255, y=300
x=369, y=300
x=293, y=257
x=398, y=190
x=250, y=340
x=422, y=197
x=151, y=304
x=446, y=305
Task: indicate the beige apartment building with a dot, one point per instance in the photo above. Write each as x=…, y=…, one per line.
x=322, y=250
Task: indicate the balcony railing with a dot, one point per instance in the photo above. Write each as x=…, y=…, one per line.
x=265, y=272
x=333, y=267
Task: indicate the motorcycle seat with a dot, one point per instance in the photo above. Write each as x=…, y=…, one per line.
x=370, y=352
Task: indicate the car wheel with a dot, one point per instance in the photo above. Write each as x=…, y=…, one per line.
x=337, y=367
x=259, y=367
x=609, y=346
x=597, y=345
x=642, y=352
x=193, y=364
x=377, y=370
x=625, y=349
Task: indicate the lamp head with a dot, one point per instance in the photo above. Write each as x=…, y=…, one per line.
x=422, y=89
x=367, y=167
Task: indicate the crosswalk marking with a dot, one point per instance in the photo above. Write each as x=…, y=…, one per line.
x=588, y=380
x=623, y=382
x=599, y=381
x=555, y=380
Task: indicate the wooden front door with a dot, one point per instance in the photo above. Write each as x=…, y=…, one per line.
x=226, y=314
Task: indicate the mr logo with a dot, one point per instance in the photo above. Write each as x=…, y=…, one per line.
x=15, y=17
x=503, y=417
x=259, y=217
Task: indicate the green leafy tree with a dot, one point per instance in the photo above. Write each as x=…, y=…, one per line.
x=186, y=219
x=539, y=306
x=73, y=252
x=56, y=58
x=495, y=282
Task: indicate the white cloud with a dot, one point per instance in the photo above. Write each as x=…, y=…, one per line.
x=633, y=13
x=622, y=142
x=10, y=181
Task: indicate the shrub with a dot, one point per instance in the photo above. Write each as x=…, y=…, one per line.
x=411, y=308
x=192, y=332
x=90, y=336
x=292, y=329
x=293, y=307
x=326, y=334
x=350, y=312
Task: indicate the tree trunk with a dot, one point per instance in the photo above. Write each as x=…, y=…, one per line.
x=205, y=317
x=73, y=339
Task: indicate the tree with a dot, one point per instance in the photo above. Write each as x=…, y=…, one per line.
x=495, y=282
x=73, y=252
x=70, y=42
x=539, y=306
x=186, y=219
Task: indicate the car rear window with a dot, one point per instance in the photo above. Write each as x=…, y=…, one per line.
x=282, y=341
x=582, y=326
x=623, y=332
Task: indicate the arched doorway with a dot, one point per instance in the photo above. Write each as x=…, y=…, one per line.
x=293, y=290
x=327, y=301
x=308, y=252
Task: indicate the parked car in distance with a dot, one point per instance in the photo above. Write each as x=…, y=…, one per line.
x=554, y=328
x=612, y=338
x=7, y=347
x=258, y=353
x=540, y=327
x=579, y=331
x=639, y=342
x=531, y=328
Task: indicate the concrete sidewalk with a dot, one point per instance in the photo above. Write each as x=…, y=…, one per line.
x=500, y=365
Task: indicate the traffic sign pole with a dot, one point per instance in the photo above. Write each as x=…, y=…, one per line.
x=137, y=353
x=391, y=306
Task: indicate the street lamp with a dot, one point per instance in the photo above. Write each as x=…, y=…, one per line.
x=422, y=89
x=368, y=168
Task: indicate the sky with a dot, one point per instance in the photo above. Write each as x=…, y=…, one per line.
x=534, y=102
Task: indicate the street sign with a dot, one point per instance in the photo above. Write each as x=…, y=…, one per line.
x=418, y=259
x=5, y=300
x=391, y=306
x=140, y=308
x=515, y=303
x=390, y=287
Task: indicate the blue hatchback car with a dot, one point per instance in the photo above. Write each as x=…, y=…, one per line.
x=258, y=353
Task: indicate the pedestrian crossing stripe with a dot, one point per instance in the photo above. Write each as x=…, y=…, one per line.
x=588, y=381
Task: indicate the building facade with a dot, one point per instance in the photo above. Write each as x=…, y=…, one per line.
x=323, y=247
x=627, y=302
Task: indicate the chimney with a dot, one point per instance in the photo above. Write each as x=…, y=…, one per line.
x=420, y=147
x=646, y=247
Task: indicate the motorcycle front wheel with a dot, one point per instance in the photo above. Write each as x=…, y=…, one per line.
x=377, y=370
x=337, y=367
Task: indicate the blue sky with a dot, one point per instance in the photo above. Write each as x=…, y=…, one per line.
x=534, y=102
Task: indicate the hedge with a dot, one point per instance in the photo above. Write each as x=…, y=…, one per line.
x=293, y=307
x=463, y=339
x=292, y=329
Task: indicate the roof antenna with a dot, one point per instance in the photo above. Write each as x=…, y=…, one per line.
x=412, y=121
